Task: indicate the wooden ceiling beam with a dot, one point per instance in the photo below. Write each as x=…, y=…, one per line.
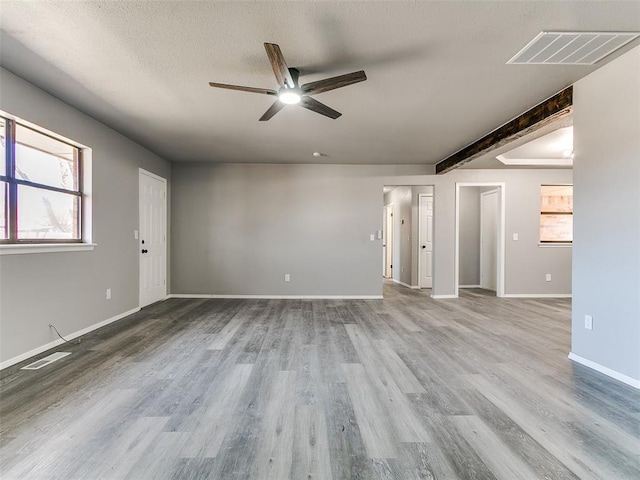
x=552, y=109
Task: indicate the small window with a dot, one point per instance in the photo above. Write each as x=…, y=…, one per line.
x=556, y=214
x=41, y=187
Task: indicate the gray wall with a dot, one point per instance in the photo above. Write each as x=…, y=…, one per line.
x=237, y=229
x=606, y=280
x=68, y=289
x=469, y=264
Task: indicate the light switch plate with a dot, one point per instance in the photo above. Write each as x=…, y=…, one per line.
x=588, y=322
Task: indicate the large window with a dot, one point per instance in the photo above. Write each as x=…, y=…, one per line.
x=40, y=187
x=556, y=214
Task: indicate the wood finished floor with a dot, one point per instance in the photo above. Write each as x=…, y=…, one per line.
x=402, y=388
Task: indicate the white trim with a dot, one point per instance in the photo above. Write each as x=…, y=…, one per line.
x=470, y=286
x=70, y=336
x=152, y=175
x=501, y=237
x=555, y=245
x=633, y=382
x=21, y=249
x=439, y=297
x=278, y=297
x=405, y=284
x=562, y=161
x=537, y=295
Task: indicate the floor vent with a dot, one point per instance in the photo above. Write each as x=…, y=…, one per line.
x=43, y=362
x=571, y=48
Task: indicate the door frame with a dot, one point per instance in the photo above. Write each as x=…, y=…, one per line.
x=501, y=187
x=142, y=171
x=482, y=220
x=420, y=195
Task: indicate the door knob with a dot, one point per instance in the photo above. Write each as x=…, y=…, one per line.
x=424, y=246
x=144, y=251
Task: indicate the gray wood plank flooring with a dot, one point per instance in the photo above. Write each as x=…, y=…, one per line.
x=402, y=388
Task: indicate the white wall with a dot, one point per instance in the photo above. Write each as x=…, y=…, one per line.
x=606, y=279
x=68, y=289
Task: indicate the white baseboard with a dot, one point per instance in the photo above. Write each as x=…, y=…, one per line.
x=279, y=297
x=469, y=286
x=438, y=297
x=413, y=287
x=605, y=370
x=55, y=343
x=537, y=295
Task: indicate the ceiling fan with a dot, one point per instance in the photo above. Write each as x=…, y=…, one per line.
x=291, y=92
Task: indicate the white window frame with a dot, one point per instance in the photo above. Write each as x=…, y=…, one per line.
x=553, y=244
x=86, y=226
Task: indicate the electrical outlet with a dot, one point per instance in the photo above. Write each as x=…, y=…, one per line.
x=548, y=277
x=108, y=294
x=135, y=234
x=588, y=322
x=287, y=277
x=372, y=237
x=402, y=269
x=515, y=236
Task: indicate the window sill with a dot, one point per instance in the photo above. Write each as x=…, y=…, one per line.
x=21, y=249
x=555, y=245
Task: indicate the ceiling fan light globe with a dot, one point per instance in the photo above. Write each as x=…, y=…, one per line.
x=290, y=98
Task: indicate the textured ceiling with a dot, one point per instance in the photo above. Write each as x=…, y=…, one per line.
x=437, y=77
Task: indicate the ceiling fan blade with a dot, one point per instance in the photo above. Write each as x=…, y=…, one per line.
x=333, y=83
x=315, y=106
x=279, y=65
x=273, y=109
x=265, y=91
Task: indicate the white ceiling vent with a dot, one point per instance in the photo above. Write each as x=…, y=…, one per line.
x=43, y=362
x=572, y=48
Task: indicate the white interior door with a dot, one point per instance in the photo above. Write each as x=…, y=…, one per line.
x=152, y=238
x=384, y=242
x=425, y=237
x=489, y=209
x=389, y=242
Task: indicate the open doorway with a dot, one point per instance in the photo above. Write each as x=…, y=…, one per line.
x=479, y=240
x=489, y=210
x=408, y=238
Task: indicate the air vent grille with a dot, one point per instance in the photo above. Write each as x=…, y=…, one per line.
x=571, y=48
x=43, y=362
